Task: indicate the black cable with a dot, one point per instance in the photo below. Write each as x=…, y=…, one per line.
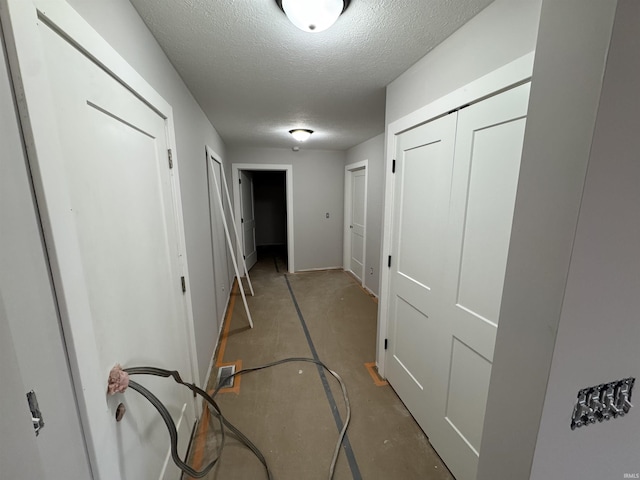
x=168, y=420
x=173, y=433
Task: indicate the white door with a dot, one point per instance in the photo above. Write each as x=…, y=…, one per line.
x=485, y=177
x=357, y=220
x=220, y=259
x=247, y=219
x=30, y=327
x=107, y=197
x=421, y=203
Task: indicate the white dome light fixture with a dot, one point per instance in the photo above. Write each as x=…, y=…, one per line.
x=301, y=134
x=313, y=16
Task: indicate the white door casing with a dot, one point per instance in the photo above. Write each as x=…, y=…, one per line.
x=112, y=218
x=355, y=219
x=236, y=168
x=247, y=220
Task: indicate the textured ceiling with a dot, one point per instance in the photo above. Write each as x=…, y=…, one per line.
x=256, y=76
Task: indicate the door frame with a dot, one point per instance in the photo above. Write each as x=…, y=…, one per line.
x=510, y=75
x=288, y=169
x=346, y=249
x=45, y=157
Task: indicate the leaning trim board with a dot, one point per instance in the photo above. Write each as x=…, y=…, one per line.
x=512, y=74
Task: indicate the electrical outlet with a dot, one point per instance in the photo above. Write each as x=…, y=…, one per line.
x=371, y=271
x=327, y=214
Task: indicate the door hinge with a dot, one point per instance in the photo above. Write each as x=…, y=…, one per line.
x=389, y=261
x=36, y=416
x=240, y=181
x=170, y=156
x=244, y=257
x=184, y=285
x=242, y=220
x=393, y=167
x=386, y=343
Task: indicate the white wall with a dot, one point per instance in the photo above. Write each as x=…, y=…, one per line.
x=120, y=25
x=599, y=329
x=372, y=150
x=565, y=90
x=502, y=32
x=318, y=188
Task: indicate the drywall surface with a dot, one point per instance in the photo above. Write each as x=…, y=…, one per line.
x=565, y=90
x=120, y=25
x=29, y=318
x=500, y=33
x=318, y=189
x=598, y=335
x=373, y=151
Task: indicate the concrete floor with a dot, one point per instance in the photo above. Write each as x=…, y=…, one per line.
x=286, y=411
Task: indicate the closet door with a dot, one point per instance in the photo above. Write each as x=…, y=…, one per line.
x=485, y=176
x=424, y=161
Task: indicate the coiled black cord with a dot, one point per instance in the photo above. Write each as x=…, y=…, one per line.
x=216, y=412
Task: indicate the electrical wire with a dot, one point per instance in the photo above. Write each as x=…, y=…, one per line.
x=216, y=412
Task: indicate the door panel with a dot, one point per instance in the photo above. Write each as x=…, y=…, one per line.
x=120, y=195
x=486, y=166
x=357, y=224
x=487, y=226
x=422, y=188
x=248, y=220
x=424, y=171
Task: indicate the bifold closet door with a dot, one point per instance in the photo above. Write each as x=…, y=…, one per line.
x=486, y=166
x=424, y=161
x=468, y=267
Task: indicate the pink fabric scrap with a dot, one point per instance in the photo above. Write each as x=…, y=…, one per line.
x=118, y=380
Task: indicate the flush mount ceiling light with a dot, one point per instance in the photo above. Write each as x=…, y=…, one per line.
x=313, y=15
x=301, y=134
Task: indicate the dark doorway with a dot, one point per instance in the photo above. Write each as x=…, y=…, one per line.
x=270, y=207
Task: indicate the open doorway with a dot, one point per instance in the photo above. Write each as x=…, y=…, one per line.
x=270, y=208
x=263, y=203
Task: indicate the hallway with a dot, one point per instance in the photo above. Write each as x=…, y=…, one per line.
x=286, y=410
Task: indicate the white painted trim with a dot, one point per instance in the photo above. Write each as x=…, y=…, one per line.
x=346, y=244
x=510, y=75
x=369, y=291
x=288, y=168
x=223, y=182
x=37, y=113
x=318, y=269
x=167, y=458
